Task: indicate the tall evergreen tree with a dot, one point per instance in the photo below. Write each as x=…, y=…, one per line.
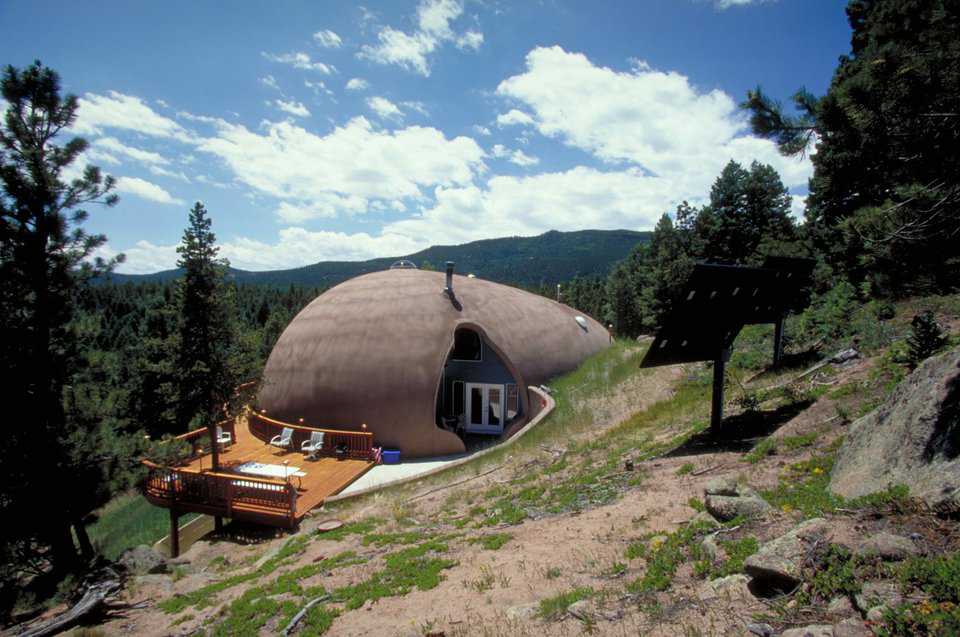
x=884, y=197
x=44, y=254
x=209, y=356
x=748, y=216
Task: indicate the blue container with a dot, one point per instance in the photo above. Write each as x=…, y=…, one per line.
x=391, y=456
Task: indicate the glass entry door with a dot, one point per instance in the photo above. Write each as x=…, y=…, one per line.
x=484, y=408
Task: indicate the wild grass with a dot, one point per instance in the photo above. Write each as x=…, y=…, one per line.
x=554, y=607
x=128, y=521
x=491, y=541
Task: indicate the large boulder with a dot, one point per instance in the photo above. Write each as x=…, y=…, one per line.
x=912, y=439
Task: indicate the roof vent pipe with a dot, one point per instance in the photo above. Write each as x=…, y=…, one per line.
x=449, y=289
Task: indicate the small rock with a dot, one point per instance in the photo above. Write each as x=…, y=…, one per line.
x=845, y=355
x=814, y=630
x=776, y=566
x=368, y=605
x=581, y=610
x=840, y=607
x=879, y=592
x=761, y=630
x=705, y=519
x=523, y=612
x=851, y=627
x=875, y=614
x=611, y=615
x=732, y=587
x=142, y=560
x=726, y=508
x=709, y=547
x=722, y=486
x=887, y=546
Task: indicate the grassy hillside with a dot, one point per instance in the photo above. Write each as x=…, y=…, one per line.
x=549, y=258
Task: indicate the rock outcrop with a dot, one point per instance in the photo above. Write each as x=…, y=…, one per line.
x=912, y=439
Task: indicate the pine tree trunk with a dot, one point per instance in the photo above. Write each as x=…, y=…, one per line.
x=62, y=547
x=86, y=547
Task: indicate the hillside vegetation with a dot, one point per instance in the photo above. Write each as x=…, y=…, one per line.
x=594, y=522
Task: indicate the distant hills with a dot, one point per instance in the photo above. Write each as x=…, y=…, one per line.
x=530, y=261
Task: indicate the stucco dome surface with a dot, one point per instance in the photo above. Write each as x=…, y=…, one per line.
x=371, y=350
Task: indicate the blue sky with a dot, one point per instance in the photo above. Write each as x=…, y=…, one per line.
x=334, y=131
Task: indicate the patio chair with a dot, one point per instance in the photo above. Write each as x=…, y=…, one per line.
x=224, y=438
x=313, y=446
x=284, y=440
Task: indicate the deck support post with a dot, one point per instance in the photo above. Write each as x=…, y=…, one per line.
x=174, y=533
x=778, y=341
x=716, y=411
x=218, y=523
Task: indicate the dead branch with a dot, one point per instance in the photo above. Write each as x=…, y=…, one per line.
x=90, y=603
x=303, y=611
x=454, y=484
x=707, y=470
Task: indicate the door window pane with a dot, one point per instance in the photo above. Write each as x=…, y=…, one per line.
x=496, y=406
x=457, y=398
x=513, y=402
x=476, y=405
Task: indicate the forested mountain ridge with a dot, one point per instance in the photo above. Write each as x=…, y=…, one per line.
x=552, y=257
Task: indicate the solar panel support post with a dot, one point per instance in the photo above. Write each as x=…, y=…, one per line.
x=778, y=341
x=716, y=411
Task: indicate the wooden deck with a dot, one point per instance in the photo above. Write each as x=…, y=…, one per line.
x=275, y=501
x=325, y=476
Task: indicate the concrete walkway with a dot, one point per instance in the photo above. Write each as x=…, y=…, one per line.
x=385, y=473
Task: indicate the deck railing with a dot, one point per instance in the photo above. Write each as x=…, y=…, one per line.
x=198, y=438
x=359, y=444
x=220, y=493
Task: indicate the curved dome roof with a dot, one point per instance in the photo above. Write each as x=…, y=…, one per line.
x=371, y=350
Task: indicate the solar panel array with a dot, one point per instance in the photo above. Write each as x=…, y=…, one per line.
x=718, y=300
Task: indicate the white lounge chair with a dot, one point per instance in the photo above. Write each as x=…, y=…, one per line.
x=313, y=446
x=224, y=438
x=284, y=440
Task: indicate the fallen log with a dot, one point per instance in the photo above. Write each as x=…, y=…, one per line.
x=90, y=603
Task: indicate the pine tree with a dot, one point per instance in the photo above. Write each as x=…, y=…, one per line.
x=926, y=338
x=209, y=355
x=884, y=195
x=44, y=261
x=747, y=218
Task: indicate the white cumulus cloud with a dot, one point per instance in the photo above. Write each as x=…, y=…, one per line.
x=384, y=108
x=288, y=162
x=125, y=112
x=146, y=190
x=357, y=84
x=292, y=107
x=513, y=117
x=412, y=50
x=654, y=119
x=328, y=39
x=301, y=61
x=113, y=145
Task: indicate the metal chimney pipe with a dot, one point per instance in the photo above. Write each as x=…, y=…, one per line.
x=449, y=288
